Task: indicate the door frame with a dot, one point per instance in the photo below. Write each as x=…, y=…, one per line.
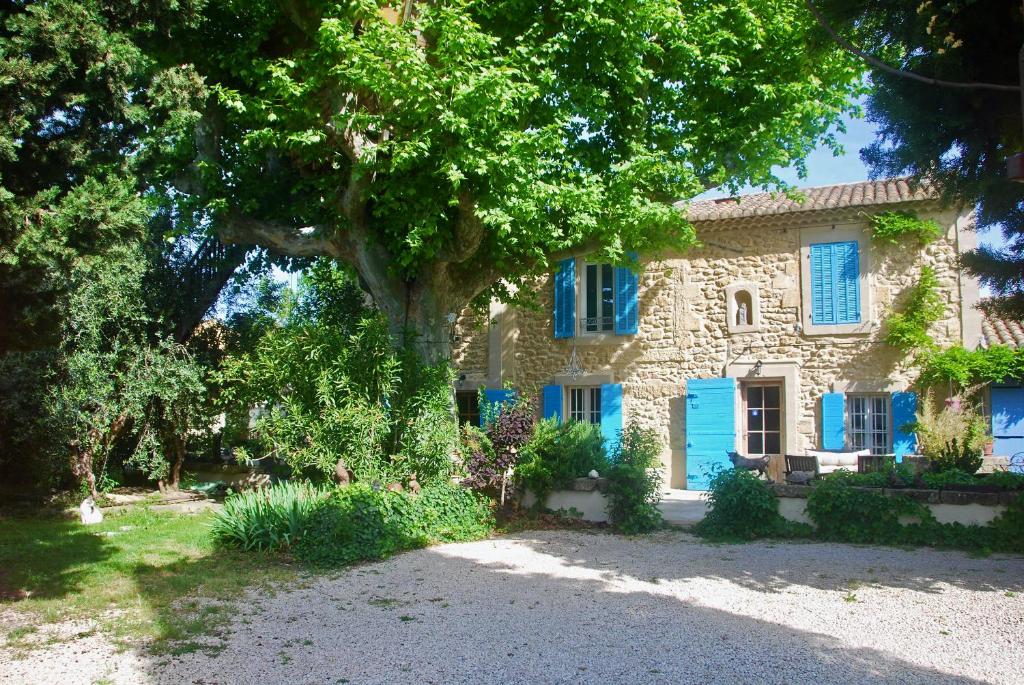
x=788, y=371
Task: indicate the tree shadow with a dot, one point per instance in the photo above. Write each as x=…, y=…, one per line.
x=46, y=558
x=557, y=607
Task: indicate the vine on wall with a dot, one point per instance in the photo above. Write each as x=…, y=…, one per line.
x=962, y=367
x=893, y=228
x=908, y=330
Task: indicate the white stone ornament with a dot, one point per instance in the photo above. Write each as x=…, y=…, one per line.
x=593, y=474
x=89, y=512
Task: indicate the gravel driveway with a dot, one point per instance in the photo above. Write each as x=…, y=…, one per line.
x=582, y=607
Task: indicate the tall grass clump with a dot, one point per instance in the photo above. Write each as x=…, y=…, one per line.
x=268, y=519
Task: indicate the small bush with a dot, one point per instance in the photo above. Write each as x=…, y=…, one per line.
x=360, y=523
x=742, y=506
x=268, y=519
x=847, y=514
x=634, y=483
x=490, y=453
x=557, y=454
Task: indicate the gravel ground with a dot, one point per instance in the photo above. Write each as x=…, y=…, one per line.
x=582, y=607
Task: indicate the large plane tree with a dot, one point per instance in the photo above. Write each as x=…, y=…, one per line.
x=449, y=150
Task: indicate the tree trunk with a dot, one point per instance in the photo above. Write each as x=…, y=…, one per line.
x=420, y=316
x=174, y=447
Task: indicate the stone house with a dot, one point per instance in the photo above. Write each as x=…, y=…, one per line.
x=767, y=339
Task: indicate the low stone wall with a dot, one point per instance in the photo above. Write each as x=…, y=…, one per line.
x=586, y=496
x=948, y=506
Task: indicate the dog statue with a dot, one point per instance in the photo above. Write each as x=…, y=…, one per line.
x=759, y=464
x=89, y=512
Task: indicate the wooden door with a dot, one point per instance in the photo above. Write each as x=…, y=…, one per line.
x=763, y=424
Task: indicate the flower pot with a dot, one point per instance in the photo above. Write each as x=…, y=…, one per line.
x=988, y=447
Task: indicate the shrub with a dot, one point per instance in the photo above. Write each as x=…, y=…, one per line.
x=359, y=522
x=947, y=478
x=490, y=453
x=558, y=453
x=1007, y=480
x=267, y=519
x=846, y=513
x=634, y=483
x=952, y=437
x=742, y=506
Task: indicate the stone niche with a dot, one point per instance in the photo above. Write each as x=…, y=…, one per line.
x=743, y=308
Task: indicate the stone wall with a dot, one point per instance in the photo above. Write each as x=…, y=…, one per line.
x=683, y=331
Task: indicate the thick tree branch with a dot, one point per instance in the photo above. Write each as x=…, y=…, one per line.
x=879, y=64
x=469, y=232
x=308, y=241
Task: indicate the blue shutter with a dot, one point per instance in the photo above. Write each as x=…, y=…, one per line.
x=611, y=415
x=493, y=401
x=710, y=427
x=847, y=288
x=833, y=421
x=565, y=299
x=552, y=402
x=904, y=411
x=835, y=283
x=627, y=312
x=822, y=279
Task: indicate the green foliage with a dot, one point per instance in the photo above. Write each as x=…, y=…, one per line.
x=953, y=437
x=332, y=386
x=359, y=523
x=742, y=506
x=892, y=475
x=958, y=454
x=964, y=368
x=843, y=513
x=558, y=453
x=894, y=228
x=634, y=481
x=949, y=478
x=908, y=330
x=267, y=519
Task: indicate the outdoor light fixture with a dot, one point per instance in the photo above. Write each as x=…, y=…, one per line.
x=757, y=367
x=573, y=369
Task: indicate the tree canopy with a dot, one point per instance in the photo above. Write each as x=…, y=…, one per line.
x=448, y=149
x=958, y=136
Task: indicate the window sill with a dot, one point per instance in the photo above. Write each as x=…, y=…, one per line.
x=863, y=328
x=595, y=339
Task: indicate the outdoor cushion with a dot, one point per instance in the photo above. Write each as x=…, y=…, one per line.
x=833, y=461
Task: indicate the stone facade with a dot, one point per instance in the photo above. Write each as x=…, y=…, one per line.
x=685, y=332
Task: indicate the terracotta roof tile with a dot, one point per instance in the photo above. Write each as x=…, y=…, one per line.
x=996, y=331
x=821, y=198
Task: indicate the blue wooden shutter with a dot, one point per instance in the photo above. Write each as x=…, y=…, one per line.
x=552, y=402
x=904, y=411
x=611, y=415
x=847, y=288
x=627, y=311
x=710, y=427
x=493, y=401
x=565, y=299
x=833, y=421
x=835, y=283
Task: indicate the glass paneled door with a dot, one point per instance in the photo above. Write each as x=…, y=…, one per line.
x=762, y=423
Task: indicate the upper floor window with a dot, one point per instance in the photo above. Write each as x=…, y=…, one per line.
x=869, y=421
x=835, y=283
x=599, y=298
x=603, y=299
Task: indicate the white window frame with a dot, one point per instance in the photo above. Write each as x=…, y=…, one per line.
x=584, y=403
x=602, y=327
x=873, y=402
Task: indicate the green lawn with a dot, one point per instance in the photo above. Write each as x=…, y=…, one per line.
x=142, y=575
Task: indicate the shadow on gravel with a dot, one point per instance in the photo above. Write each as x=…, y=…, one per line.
x=556, y=609
x=768, y=566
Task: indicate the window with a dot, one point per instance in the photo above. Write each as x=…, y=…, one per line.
x=598, y=298
x=585, y=404
x=869, y=423
x=763, y=419
x=468, y=404
x=835, y=283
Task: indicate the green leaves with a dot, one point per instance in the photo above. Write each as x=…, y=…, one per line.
x=908, y=330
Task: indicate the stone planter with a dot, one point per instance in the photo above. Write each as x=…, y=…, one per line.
x=586, y=496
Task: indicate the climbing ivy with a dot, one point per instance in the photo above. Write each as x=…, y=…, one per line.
x=908, y=330
x=893, y=227
x=960, y=366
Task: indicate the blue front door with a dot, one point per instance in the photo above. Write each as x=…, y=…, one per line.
x=1008, y=420
x=710, y=427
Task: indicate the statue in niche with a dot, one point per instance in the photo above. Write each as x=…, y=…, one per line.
x=742, y=318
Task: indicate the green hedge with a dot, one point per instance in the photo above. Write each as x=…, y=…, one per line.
x=360, y=523
x=743, y=507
